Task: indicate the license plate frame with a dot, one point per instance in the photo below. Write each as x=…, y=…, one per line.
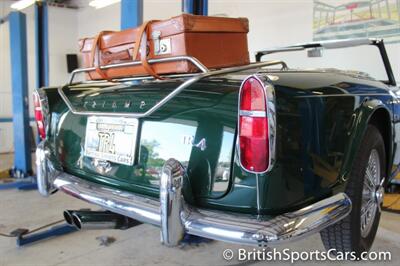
x=111, y=139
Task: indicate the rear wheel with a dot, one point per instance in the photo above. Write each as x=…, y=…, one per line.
x=357, y=231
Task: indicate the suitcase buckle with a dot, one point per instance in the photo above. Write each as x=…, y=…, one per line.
x=160, y=46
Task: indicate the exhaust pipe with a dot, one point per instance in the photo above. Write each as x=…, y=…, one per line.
x=68, y=217
x=94, y=220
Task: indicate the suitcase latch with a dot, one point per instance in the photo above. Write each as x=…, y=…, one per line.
x=161, y=46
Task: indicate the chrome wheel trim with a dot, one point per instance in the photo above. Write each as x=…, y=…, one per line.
x=372, y=194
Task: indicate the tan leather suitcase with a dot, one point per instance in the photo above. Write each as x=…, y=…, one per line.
x=216, y=42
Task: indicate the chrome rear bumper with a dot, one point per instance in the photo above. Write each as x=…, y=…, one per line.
x=176, y=217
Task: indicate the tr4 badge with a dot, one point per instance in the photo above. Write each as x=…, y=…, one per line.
x=189, y=140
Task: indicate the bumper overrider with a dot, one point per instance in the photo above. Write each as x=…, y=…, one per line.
x=176, y=218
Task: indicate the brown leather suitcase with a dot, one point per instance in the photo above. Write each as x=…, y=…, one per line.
x=216, y=42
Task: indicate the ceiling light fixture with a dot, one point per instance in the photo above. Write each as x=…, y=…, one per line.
x=21, y=4
x=102, y=3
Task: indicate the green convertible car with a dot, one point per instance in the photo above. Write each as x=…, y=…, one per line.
x=259, y=154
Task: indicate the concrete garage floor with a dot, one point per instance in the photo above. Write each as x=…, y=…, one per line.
x=137, y=246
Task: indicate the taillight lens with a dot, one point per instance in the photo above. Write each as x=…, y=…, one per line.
x=39, y=115
x=253, y=126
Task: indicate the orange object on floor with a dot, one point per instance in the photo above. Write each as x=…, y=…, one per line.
x=391, y=202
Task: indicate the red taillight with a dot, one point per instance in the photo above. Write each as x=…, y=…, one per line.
x=253, y=126
x=39, y=115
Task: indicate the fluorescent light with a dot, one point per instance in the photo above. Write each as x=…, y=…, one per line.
x=21, y=4
x=102, y=3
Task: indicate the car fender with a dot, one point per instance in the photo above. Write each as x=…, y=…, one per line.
x=360, y=120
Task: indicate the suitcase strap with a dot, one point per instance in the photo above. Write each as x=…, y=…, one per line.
x=143, y=57
x=94, y=55
x=140, y=44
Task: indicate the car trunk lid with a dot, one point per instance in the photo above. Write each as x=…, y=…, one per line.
x=197, y=128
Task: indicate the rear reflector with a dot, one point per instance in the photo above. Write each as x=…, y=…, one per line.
x=39, y=115
x=253, y=126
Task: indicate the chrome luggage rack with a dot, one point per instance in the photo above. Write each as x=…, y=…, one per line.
x=190, y=79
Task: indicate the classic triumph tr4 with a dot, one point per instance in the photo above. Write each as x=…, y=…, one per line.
x=257, y=154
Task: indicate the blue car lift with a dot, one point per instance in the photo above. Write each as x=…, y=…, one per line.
x=26, y=237
x=22, y=169
x=19, y=71
x=42, y=45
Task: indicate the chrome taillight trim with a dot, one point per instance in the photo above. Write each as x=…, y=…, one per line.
x=270, y=113
x=252, y=113
x=44, y=107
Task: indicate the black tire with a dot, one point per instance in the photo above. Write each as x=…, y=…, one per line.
x=345, y=236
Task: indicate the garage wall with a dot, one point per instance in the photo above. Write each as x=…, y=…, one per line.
x=63, y=32
x=59, y=46
x=283, y=22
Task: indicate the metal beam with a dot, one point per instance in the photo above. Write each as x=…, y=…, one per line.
x=42, y=44
x=131, y=13
x=187, y=6
x=58, y=230
x=19, y=71
x=41, y=47
x=195, y=7
x=204, y=8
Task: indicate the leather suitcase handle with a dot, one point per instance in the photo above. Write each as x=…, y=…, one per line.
x=94, y=56
x=140, y=43
x=108, y=57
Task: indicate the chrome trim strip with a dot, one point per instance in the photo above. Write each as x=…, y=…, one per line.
x=343, y=95
x=258, y=191
x=252, y=113
x=172, y=94
x=175, y=216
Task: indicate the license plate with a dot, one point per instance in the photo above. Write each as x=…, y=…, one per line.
x=111, y=139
